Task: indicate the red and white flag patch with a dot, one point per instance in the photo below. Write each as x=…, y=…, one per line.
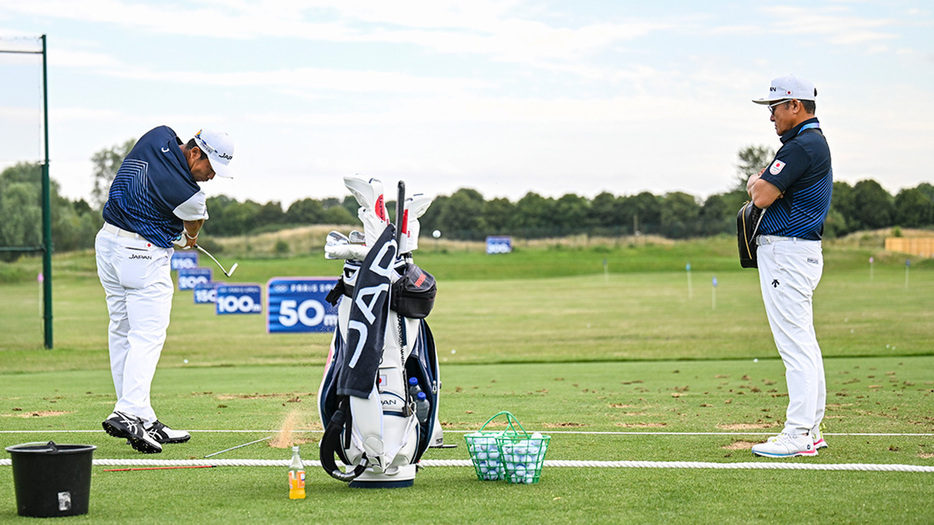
x=776, y=167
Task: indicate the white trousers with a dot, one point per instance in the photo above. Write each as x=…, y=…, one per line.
x=789, y=270
x=137, y=281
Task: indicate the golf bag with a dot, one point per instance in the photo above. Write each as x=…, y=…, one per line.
x=378, y=398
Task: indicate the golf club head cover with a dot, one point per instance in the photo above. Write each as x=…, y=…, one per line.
x=415, y=207
x=369, y=194
x=373, y=226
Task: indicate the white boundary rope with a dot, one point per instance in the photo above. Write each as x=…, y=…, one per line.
x=543, y=431
x=428, y=463
x=766, y=465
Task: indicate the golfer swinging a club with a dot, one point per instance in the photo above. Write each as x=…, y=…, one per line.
x=794, y=189
x=154, y=201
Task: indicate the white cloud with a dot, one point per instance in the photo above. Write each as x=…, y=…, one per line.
x=478, y=28
x=834, y=24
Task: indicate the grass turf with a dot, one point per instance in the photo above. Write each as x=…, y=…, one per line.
x=563, y=349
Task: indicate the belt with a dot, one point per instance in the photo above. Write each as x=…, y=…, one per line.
x=772, y=239
x=121, y=233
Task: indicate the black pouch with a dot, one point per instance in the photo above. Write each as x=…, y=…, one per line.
x=747, y=226
x=413, y=295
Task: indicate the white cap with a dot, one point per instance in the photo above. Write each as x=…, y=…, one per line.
x=787, y=88
x=219, y=148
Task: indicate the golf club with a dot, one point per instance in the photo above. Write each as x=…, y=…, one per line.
x=335, y=238
x=232, y=268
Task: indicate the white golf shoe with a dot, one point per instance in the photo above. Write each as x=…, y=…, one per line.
x=121, y=425
x=163, y=434
x=786, y=445
x=816, y=436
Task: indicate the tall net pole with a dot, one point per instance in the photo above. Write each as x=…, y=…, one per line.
x=46, y=210
x=46, y=247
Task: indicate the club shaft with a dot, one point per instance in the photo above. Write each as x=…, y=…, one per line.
x=219, y=265
x=238, y=446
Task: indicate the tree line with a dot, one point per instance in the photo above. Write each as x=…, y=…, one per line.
x=465, y=214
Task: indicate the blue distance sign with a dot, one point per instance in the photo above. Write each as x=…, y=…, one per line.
x=206, y=293
x=188, y=278
x=496, y=245
x=239, y=299
x=182, y=259
x=297, y=304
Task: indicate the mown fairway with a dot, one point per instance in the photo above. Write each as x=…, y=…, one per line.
x=543, y=333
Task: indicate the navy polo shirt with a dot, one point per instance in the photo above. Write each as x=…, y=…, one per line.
x=801, y=171
x=152, y=182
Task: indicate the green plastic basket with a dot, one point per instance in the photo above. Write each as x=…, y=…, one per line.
x=513, y=454
x=522, y=456
x=484, y=450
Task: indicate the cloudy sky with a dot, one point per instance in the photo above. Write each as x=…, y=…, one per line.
x=503, y=96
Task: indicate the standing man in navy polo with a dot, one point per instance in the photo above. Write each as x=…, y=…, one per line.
x=795, y=192
x=154, y=201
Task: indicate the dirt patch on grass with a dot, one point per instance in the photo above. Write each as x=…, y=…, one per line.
x=641, y=425
x=739, y=445
x=925, y=455
x=289, y=396
x=40, y=413
x=563, y=425
x=746, y=426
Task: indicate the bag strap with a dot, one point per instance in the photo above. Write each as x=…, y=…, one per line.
x=331, y=443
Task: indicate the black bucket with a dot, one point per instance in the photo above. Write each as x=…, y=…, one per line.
x=51, y=480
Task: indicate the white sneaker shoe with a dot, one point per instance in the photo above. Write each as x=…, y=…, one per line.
x=816, y=435
x=786, y=445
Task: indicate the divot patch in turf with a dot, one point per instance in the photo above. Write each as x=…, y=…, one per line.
x=290, y=396
x=739, y=445
x=38, y=413
x=746, y=426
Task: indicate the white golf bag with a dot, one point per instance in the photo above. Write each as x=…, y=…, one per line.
x=378, y=399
